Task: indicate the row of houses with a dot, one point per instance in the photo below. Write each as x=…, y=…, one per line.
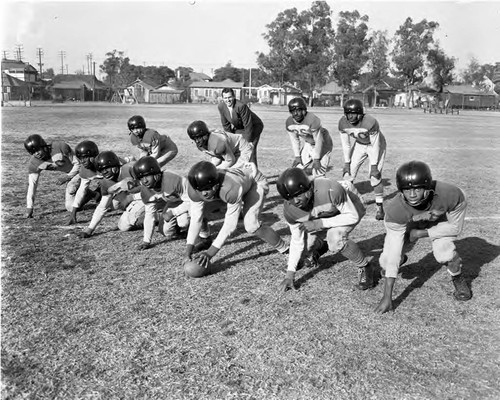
x=20, y=83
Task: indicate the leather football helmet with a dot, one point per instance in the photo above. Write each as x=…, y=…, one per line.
x=203, y=176
x=86, y=148
x=136, y=122
x=353, y=106
x=413, y=174
x=146, y=166
x=297, y=103
x=106, y=159
x=197, y=129
x=34, y=143
x=292, y=182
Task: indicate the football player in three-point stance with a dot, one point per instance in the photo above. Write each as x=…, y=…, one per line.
x=311, y=143
x=369, y=142
x=321, y=214
x=225, y=149
x=423, y=208
x=86, y=152
x=167, y=203
x=244, y=190
x=150, y=142
x=55, y=156
x=115, y=195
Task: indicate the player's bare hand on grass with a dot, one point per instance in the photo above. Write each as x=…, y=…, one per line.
x=296, y=162
x=144, y=246
x=384, y=305
x=29, y=213
x=86, y=233
x=286, y=284
x=317, y=167
x=63, y=179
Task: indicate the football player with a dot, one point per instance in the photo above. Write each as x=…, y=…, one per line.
x=55, y=156
x=321, y=213
x=86, y=152
x=311, y=143
x=150, y=142
x=367, y=142
x=244, y=190
x=225, y=149
x=167, y=202
x=115, y=195
x=423, y=208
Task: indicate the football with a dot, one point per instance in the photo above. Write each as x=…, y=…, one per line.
x=195, y=270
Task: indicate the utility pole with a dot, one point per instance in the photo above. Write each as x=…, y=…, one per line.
x=93, y=81
x=39, y=52
x=89, y=63
x=19, y=52
x=250, y=83
x=62, y=54
x=66, y=69
x=5, y=55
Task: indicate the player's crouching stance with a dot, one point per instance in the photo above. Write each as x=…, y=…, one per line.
x=244, y=190
x=55, y=156
x=166, y=198
x=86, y=152
x=115, y=195
x=317, y=208
x=225, y=149
x=424, y=208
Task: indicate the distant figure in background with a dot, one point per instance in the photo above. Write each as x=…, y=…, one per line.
x=236, y=117
x=311, y=143
x=150, y=142
x=225, y=149
x=369, y=142
x=423, y=208
x=55, y=156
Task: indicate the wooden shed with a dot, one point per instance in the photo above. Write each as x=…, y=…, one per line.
x=469, y=97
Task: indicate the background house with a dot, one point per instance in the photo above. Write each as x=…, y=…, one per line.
x=20, y=70
x=328, y=95
x=167, y=94
x=139, y=91
x=468, y=97
x=76, y=87
x=211, y=92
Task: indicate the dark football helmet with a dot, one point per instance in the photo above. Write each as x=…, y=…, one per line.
x=197, y=129
x=292, y=182
x=146, y=166
x=297, y=103
x=353, y=106
x=86, y=148
x=413, y=174
x=34, y=143
x=106, y=159
x=203, y=176
x=136, y=122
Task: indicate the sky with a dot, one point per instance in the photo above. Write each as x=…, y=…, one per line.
x=206, y=34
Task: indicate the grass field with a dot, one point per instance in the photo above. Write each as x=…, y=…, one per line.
x=97, y=319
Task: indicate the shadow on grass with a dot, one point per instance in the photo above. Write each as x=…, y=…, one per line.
x=367, y=246
x=475, y=252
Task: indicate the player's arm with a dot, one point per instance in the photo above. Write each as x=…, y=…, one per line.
x=171, y=151
x=390, y=260
x=196, y=218
x=97, y=216
x=229, y=159
x=78, y=200
x=150, y=210
x=295, y=252
x=33, y=178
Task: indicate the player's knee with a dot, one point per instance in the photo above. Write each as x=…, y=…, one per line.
x=375, y=182
x=336, y=240
x=443, y=249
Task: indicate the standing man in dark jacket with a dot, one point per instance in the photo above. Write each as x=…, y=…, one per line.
x=236, y=117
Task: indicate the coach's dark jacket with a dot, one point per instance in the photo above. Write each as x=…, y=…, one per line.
x=242, y=121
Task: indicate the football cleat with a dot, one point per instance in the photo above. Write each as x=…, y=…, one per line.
x=365, y=277
x=462, y=291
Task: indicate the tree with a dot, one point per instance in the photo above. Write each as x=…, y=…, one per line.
x=475, y=73
x=351, y=47
x=378, y=57
x=112, y=66
x=300, y=46
x=410, y=50
x=49, y=73
x=441, y=67
x=228, y=72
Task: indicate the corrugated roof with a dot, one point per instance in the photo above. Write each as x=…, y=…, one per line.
x=12, y=64
x=72, y=81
